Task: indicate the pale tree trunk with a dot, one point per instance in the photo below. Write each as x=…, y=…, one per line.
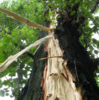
x=67, y=73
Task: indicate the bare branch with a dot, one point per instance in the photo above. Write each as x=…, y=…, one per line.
x=50, y=57
x=24, y=20
x=12, y=58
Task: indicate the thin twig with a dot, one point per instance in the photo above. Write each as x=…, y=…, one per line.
x=50, y=57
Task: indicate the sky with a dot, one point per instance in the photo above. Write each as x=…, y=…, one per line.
x=1, y=1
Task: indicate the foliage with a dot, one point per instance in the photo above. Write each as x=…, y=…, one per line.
x=14, y=35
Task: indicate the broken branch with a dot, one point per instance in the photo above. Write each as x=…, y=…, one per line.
x=24, y=20
x=12, y=58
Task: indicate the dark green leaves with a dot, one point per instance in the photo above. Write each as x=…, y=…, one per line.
x=15, y=36
x=73, y=12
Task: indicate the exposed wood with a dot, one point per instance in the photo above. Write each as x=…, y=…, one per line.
x=58, y=77
x=57, y=80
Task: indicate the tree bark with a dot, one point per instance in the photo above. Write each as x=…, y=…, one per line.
x=74, y=80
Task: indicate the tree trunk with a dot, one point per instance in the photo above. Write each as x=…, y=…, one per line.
x=67, y=73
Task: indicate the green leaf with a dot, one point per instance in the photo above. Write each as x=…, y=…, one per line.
x=6, y=89
x=7, y=94
x=64, y=5
x=5, y=82
x=73, y=12
x=12, y=73
x=15, y=98
x=6, y=29
x=2, y=93
x=23, y=81
x=25, y=75
x=50, y=13
x=22, y=71
x=1, y=84
x=96, y=51
x=1, y=44
x=94, y=41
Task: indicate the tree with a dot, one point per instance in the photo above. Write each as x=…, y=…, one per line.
x=63, y=67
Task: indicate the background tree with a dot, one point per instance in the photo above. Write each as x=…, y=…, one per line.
x=73, y=25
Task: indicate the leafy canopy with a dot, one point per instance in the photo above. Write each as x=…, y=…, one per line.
x=14, y=35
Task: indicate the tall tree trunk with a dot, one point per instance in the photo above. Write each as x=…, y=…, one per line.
x=67, y=73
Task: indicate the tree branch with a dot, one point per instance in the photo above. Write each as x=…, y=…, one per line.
x=24, y=20
x=12, y=58
x=95, y=6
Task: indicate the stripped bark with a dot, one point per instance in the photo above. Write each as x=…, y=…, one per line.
x=67, y=78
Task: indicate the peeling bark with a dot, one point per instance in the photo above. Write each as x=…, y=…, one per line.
x=67, y=78
x=58, y=81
